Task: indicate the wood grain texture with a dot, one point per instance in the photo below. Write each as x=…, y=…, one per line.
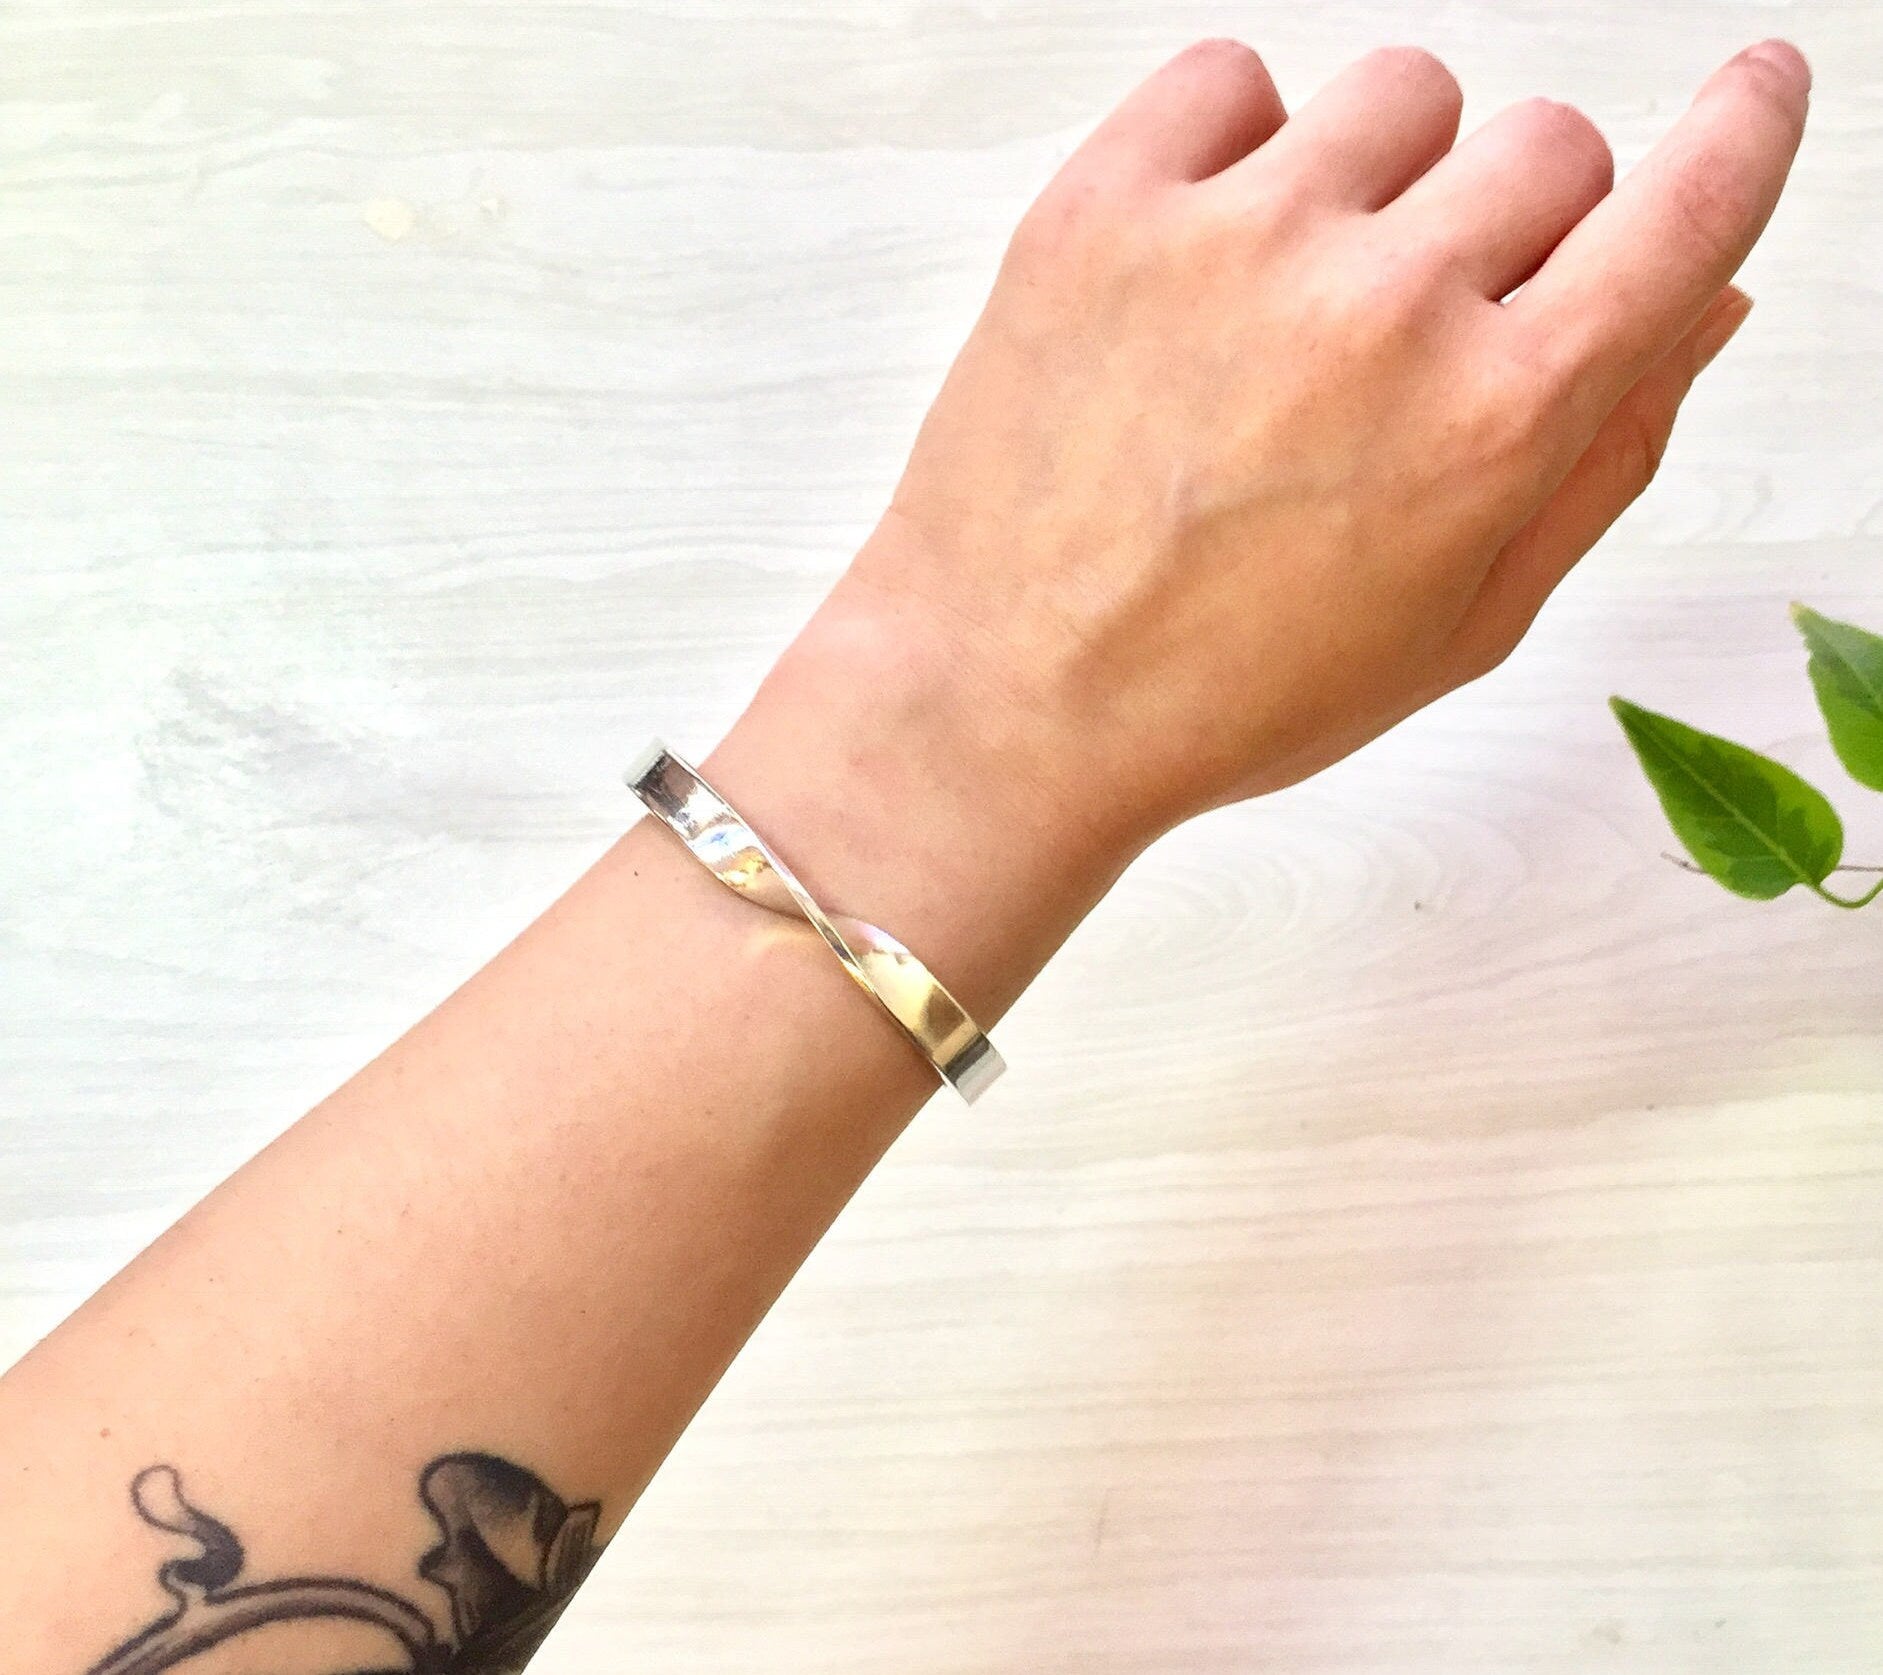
x=1422, y=1230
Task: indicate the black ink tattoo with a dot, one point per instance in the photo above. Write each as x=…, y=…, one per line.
x=510, y=1555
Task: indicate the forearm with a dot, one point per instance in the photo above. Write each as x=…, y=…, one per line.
x=541, y=1224
x=1273, y=430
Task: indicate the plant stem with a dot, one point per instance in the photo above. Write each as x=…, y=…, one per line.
x=208, y=1621
x=1863, y=900
x=1830, y=896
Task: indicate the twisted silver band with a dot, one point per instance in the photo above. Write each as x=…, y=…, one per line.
x=740, y=859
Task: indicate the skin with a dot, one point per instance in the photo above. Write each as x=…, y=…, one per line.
x=1274, y=429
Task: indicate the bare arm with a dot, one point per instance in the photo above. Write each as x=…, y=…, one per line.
x=1252, y=453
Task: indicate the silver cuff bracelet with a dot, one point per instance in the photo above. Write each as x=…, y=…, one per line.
x=741, y=860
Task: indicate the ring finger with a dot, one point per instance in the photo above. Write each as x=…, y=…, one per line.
x=1511, y=192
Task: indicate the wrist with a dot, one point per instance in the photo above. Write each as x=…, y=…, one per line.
x=906, y=787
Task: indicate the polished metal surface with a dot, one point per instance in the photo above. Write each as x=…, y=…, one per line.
x=929, y=1015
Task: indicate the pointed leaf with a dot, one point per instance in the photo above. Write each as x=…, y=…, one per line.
x=1846, y=671
x=498, y=1524
x=573, y=1553
x=1750, y=822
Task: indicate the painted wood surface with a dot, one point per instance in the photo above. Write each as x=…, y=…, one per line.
x=1423, y=1230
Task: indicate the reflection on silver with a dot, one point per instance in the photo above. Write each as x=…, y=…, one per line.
x=929, y=1015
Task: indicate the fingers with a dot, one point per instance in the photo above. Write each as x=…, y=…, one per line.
x=1370, y=132
x=1510, y=193
x=1603, y=483
x=1207, y=108
x=1624, y=286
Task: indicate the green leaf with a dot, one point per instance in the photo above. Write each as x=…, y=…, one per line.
x=1847, y=674
x=1750, y=822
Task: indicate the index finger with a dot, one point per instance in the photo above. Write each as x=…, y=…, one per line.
x=1638, y=270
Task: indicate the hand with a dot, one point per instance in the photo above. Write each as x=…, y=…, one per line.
x=1254, y=452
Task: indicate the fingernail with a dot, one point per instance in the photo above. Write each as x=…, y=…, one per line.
x=1784, y=58
x=1725, y=317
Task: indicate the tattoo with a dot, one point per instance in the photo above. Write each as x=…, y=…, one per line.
x=510, y=1555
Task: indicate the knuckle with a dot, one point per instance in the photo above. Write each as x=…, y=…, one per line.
x=1554, y=120
x=1711, y=204
x=1512, y=411
x=1223, y=55
x=1404, y=60
x=1414, y=66
x=1534, y=378
x=1564, y=131
x=1286, y=202
x=1497, y=436
x=1388, y=286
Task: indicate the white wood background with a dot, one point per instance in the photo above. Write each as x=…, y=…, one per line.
x=1422, y=1230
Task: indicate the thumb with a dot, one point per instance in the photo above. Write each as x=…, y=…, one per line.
x=1616, y=466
